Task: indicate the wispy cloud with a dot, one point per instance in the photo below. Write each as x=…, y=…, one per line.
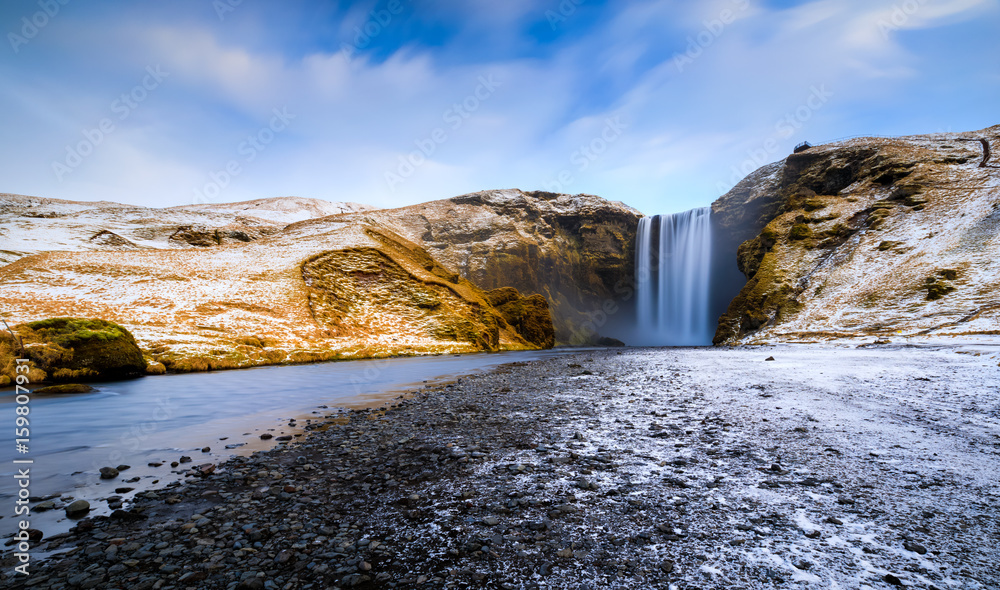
x=749, y=65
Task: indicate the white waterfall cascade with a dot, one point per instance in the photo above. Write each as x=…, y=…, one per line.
x=673, y=264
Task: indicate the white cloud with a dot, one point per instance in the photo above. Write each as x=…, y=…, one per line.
x=355, y=118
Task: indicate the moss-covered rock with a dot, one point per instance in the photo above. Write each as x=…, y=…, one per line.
x=84, y=349
x=800, y=231
x=65, y=388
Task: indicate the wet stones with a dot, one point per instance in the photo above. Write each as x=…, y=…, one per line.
x=77, y=508
x=382, y=498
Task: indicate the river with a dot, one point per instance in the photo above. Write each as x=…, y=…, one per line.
x=159, y=419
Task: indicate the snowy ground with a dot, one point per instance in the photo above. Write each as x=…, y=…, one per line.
x=676, y=469
x=900, y=445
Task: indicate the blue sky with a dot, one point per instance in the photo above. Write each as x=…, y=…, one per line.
x=661, y=104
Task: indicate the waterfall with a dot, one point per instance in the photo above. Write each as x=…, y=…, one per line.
x=673, y=264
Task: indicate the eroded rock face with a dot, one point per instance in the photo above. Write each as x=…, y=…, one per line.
x=207, y=237
x=870, y=237
x=575, y=250
x=529, y=316
x=364, y=291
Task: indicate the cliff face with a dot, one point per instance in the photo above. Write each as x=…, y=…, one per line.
x=869, y=237
x=211, y=288
x=572, y=249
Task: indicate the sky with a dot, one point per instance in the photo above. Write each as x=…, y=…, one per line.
x=661, y=104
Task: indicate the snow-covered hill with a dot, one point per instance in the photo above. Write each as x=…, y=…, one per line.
x=30, y=225
x=871, y=237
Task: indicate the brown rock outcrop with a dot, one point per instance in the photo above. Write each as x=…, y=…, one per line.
x=868, y=237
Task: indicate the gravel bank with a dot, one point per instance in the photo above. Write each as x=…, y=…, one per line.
x=826, y=468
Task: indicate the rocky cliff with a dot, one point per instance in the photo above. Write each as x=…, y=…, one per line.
x=572, y=249
x=868, y=237
x=213, y=287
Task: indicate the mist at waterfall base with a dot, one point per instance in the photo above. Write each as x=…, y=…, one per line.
x=685, y=277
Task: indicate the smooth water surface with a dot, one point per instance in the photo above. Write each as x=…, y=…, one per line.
x=159, y=419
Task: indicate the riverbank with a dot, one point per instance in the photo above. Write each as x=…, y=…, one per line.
x=144, y=428
x=697, y=468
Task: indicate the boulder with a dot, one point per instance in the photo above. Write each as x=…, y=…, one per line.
x=83, y=349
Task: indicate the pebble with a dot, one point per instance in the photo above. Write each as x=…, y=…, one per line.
x=77, y=508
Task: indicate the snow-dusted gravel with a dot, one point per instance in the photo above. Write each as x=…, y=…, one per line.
x=827, y=467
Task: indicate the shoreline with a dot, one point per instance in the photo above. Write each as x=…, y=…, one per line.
x=170, y=451
x=613, y=468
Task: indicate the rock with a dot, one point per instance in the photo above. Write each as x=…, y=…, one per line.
x=858, y=202
x=528, y=315
x=43, y=506
x=206, y=449
x=251, y=584
x=84, y=348
x=914, y=547
x=892, y=580
x=65, y=388
x=770, y=358
x=78, y=508
x=266, y=436
x=108, y=473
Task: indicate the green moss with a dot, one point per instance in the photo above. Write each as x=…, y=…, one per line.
x=800, y=231
x=813, y=205
x=66, y=388
x=69, y=332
